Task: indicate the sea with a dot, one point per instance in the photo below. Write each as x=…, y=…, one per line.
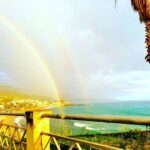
x=74, y=127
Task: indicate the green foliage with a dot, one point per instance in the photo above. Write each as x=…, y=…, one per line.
x=133, y=139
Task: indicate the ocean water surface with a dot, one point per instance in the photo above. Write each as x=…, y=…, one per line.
x=74, y=127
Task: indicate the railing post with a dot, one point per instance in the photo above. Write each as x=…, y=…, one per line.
x=34, y=126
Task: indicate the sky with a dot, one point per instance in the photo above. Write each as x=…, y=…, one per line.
x=93, y=51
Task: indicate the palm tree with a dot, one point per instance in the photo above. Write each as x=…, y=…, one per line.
x=143, y=9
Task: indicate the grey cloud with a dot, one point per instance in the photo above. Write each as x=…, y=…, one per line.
x=88, y=45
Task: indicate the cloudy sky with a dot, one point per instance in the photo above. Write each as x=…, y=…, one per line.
x=92, y=50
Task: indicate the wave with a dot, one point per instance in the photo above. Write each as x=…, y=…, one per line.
x=20, y=121
x=87, y=127
x=94, y=129
x=80, y=125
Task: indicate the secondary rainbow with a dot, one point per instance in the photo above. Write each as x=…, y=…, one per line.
x=30, y=47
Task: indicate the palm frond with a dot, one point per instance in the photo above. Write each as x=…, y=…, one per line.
x=140, y=7
x=143, y=8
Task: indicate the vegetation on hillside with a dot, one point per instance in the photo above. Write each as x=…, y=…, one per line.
x=132, y=140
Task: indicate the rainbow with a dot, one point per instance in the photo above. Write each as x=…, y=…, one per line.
x=65, y=48
x=33, y=50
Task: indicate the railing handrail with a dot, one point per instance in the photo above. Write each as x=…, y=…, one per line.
x=136, y=120
x=103, y=118
x=12, y=114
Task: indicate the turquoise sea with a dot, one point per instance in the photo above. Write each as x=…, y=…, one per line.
x=140, y=108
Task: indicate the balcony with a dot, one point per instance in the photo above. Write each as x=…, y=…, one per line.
x=37, y=135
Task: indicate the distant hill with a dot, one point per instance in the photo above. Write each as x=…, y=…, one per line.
x=11, y=92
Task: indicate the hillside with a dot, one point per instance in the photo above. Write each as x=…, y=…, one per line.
x=8, y=92
x=12, y=99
